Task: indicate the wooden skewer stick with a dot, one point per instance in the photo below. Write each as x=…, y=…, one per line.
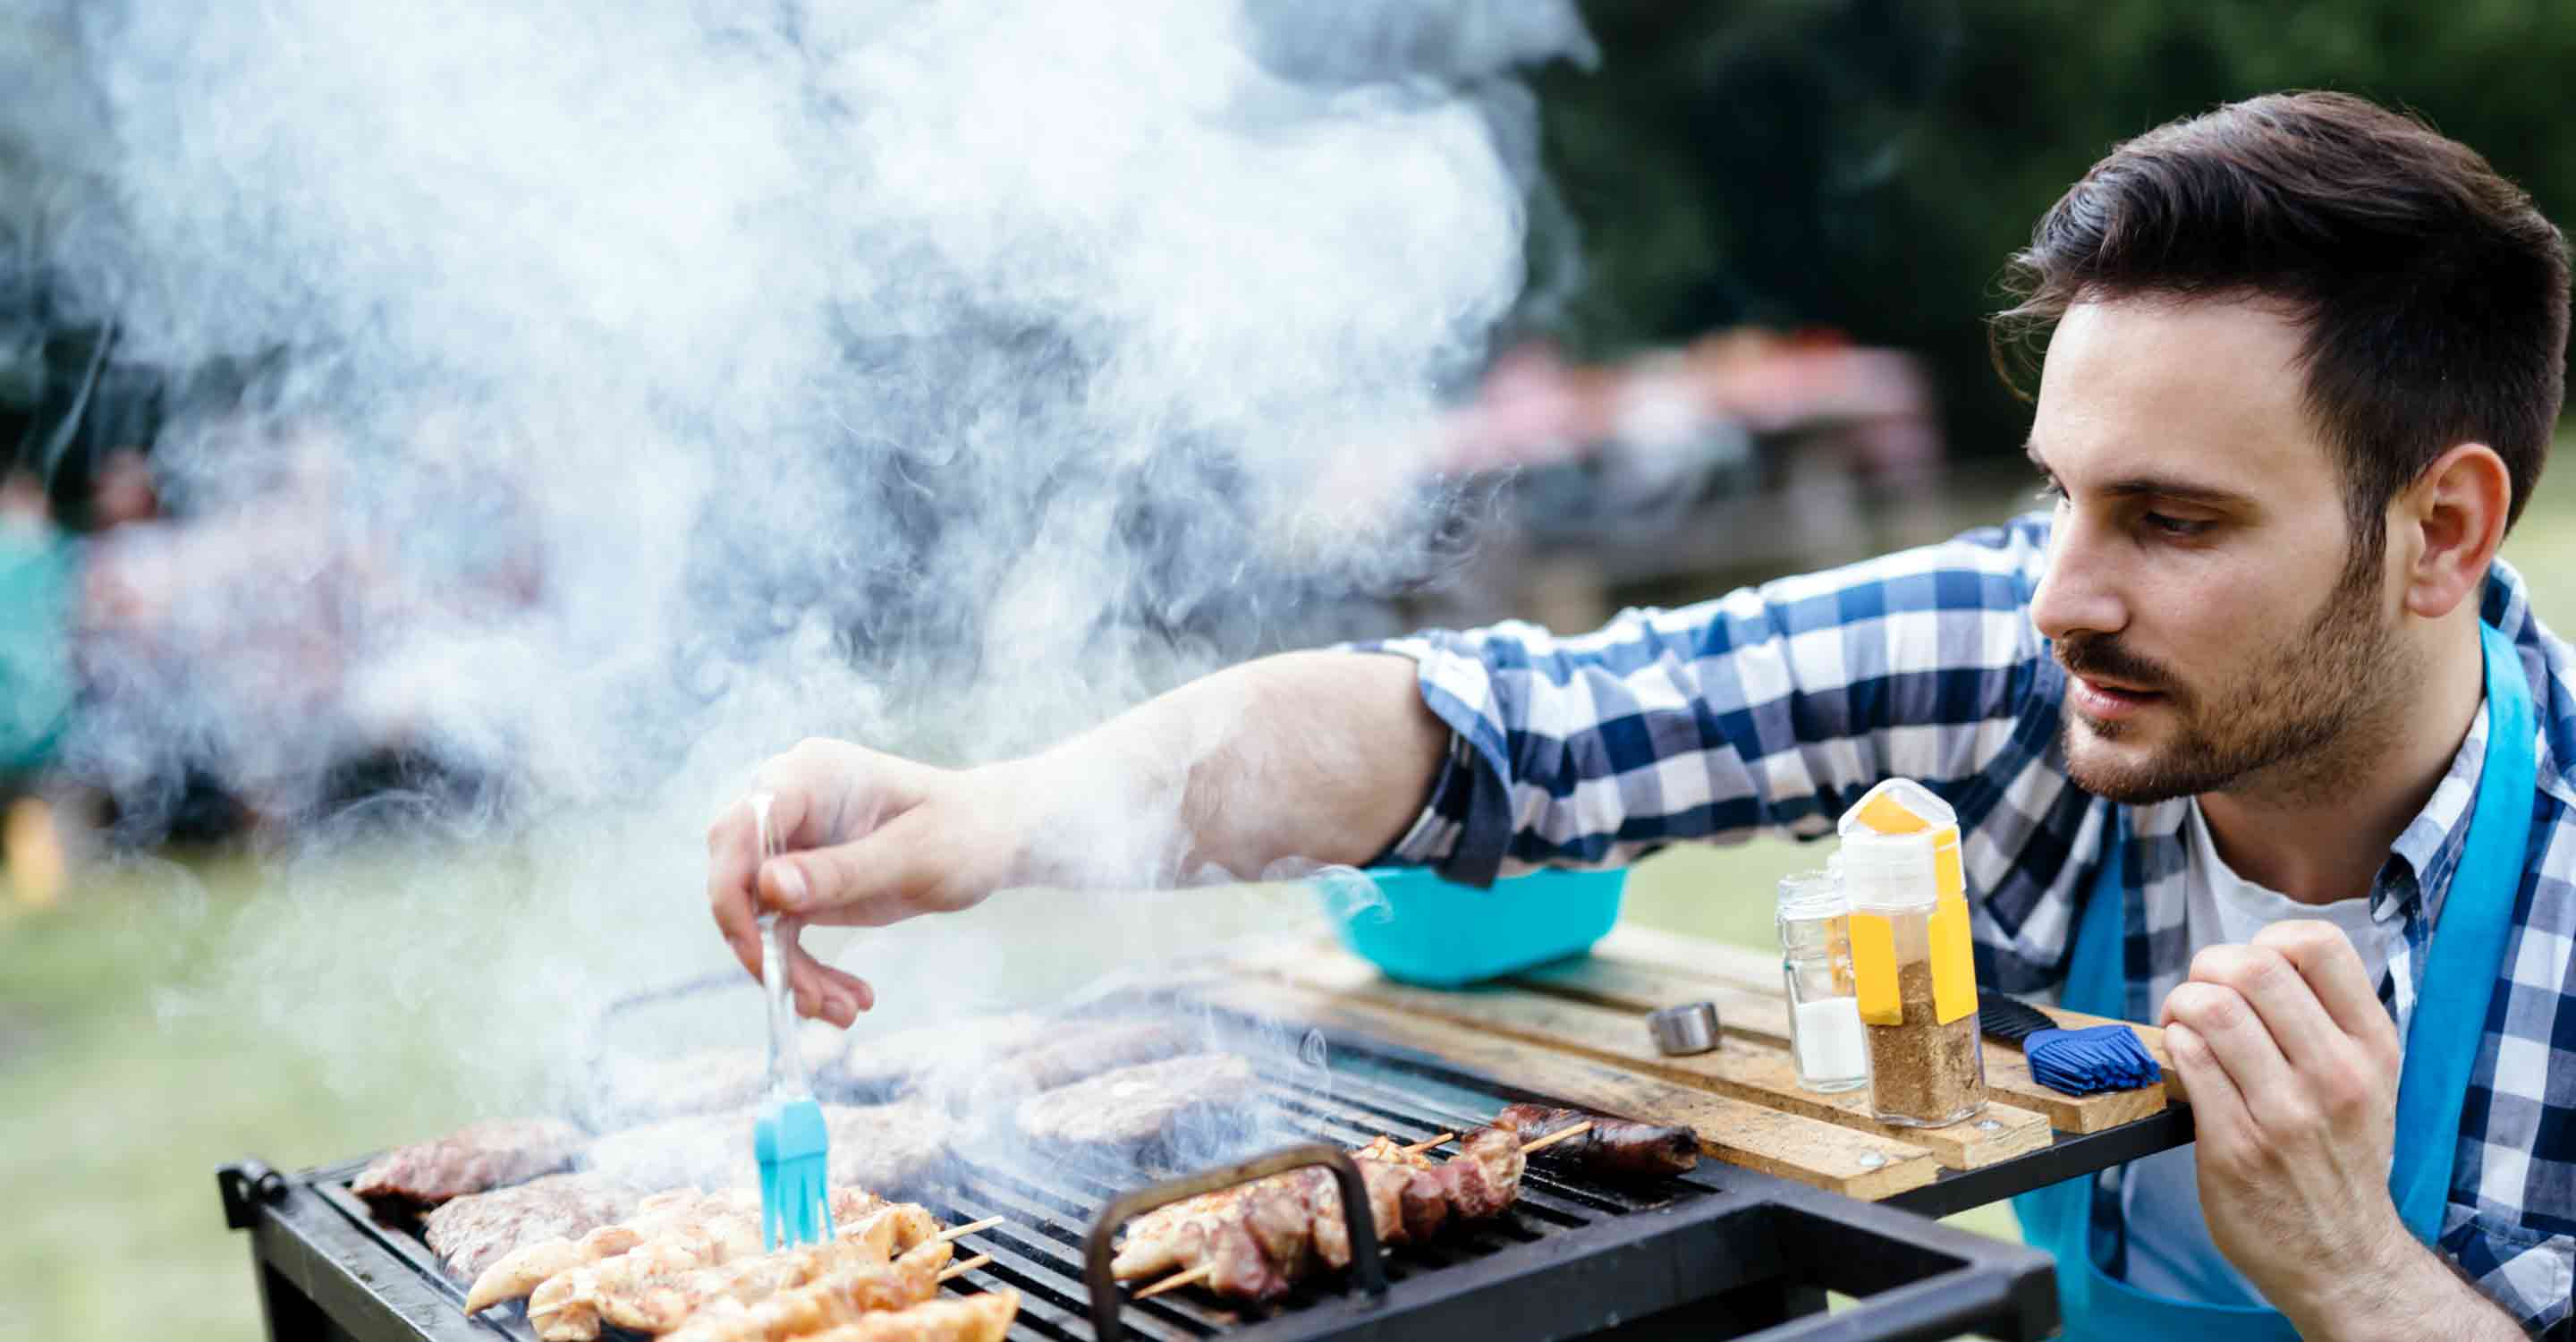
x=1554, y=1137
x=1176, y=1281
x=955, y=1270
x=969, y=1228
x=1429, y=1142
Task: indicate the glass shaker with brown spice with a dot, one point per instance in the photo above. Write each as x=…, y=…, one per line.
x=1917, y=983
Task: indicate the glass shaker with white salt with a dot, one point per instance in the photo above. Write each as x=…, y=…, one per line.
x=1815, y=956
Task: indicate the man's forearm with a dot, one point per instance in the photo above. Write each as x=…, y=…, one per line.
x=2419, y=1297
x=1323, y=756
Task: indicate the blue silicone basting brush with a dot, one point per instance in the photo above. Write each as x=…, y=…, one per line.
x=788, y=1136
x=2076, y=1062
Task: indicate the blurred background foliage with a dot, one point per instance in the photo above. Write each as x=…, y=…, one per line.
x=1867, y=165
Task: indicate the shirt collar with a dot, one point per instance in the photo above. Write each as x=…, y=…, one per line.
x=2428, y=850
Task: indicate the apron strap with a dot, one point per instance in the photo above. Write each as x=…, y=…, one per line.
x=2465, y=961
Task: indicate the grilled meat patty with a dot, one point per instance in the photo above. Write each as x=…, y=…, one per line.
x=707, y=1080
x=900, y=1063
x=476, y=1158
x=1078, y=1051
x=1133, y=1106
x=882, y=1147
x=473, y=1232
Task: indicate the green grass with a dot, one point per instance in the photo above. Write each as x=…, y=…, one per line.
x=139, y=1047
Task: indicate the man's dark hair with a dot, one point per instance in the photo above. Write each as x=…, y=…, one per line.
x=2433, y=293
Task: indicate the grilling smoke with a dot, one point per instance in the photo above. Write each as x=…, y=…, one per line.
x=630, y=389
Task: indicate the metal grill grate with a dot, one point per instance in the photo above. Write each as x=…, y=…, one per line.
x=1049, y=1210
x=1722, y=1252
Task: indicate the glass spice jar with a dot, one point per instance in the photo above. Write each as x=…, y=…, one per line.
x=1825, y=1035
x=1915, y=981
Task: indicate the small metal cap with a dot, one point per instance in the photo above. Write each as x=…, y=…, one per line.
x=1688, y=1028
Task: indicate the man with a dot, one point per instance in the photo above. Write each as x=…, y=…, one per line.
x=2249, y=733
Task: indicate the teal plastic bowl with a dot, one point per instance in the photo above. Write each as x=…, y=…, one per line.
x=1421, y=929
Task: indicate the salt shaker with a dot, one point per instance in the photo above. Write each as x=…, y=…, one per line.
x=1815, y=958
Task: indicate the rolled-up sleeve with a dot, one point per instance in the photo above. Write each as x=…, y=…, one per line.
x=1770, y=707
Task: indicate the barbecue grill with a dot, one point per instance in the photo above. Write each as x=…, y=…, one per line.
x=1722, y=1252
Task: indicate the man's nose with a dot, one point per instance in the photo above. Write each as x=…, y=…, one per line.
x=2079, y=593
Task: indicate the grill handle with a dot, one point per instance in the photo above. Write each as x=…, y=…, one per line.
x=1105, y=1299
x=247, y=1185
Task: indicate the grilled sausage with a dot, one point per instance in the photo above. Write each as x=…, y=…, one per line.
x=1615, y=1148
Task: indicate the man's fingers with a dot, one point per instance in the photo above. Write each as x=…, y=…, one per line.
x=883, y=878
x=2218, y=1117
x=836, y=996
x=2325, y=957
x=2232, y=1035
x=2282, y=999
x=731, y=860
x=733, y=853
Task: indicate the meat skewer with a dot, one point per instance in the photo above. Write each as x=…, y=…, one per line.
x=974, y=1318
x=1482, y=1181
x=1155, y=1240
x=523, y=1269
x=825, y=1303
x=658, y=1294
x=1613, y=1148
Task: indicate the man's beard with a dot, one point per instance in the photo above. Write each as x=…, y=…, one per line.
x=2314, y=707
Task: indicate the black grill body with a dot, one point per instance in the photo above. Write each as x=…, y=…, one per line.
x=1722, y=1252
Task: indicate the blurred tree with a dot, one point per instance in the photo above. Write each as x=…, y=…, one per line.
x=1868, y=164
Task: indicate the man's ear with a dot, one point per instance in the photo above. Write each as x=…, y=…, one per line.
x=2452, y=520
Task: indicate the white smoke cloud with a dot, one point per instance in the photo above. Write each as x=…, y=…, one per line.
x=637, y=387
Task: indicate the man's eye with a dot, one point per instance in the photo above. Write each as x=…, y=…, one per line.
x=2175, y=527
x=2049, y=493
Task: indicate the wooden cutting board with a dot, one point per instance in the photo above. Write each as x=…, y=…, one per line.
x=1838, y=1159
x=1748, y=1070
x=1643, y=957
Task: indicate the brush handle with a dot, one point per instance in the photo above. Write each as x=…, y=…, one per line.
x=786, y=1065
x=2009, y=1019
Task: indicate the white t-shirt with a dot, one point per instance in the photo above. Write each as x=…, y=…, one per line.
x=2170, y=1251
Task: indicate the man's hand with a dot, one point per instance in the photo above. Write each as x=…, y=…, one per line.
x=868, y=840
x=2292, y=1065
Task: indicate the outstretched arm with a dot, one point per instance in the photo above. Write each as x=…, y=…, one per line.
x=1323, y=756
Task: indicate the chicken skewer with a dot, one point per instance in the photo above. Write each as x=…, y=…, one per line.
x=659, y=1216
x=662, y=1302
x=1481, y=1182
x=655, y=1298
x=827, y=1302
x=974, y=1318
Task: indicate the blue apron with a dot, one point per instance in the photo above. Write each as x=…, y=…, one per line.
x=2460, y=973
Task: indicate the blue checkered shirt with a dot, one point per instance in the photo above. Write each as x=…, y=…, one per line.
x=1775, y=707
